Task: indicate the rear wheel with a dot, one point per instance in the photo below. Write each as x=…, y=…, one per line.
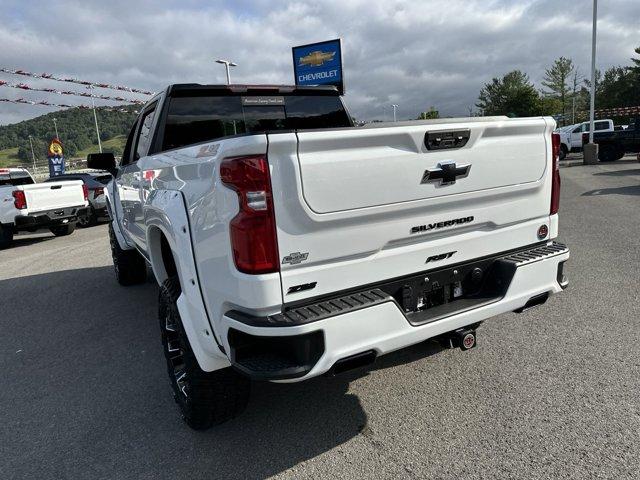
x=87, y=220
x=607, y=154
x=130, y=267
x=6, y=236
x=63, y=230
x=205, y=398
x=563, y=152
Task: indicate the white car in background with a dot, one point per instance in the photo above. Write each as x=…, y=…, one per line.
x=571, y=135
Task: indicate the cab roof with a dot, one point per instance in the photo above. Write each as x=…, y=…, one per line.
x=235, y=89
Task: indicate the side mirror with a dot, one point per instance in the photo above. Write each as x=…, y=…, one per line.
x=102, y=161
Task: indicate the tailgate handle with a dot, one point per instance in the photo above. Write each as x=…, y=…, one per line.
x=55, y=187
x=444, y=139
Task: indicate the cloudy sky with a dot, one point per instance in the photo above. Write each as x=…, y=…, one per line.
x=415, y=53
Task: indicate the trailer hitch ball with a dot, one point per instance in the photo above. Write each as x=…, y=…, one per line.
x=465, y=338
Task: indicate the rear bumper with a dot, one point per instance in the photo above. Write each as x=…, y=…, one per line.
x=49, y=218
x=295, y=351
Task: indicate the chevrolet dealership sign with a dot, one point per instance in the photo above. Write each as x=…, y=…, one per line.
x=319, y=64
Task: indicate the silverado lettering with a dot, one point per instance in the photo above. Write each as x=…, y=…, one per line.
x=437, y=225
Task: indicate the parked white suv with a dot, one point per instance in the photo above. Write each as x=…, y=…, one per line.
x=26, y=205
x=289, y=244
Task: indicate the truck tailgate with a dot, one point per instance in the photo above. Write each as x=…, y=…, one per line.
x=363, y=205
x=52, y=195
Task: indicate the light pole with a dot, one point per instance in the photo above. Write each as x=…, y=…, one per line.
x=33, y=155
x=95, y=117
x=55, y=126
x=394, y=112
x=227, y=64
x=590, y=150
x=592, y=105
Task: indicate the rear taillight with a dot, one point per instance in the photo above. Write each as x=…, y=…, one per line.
x=253, y=229
x=555, y=174
x=97, y=192
x=585, y=138
x=20, y=201
x=85, y=191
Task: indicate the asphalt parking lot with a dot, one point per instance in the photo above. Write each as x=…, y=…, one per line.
x=551, y=393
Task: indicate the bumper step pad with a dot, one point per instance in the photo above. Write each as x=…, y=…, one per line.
x=538, y=253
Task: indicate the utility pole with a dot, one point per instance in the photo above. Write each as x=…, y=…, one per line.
x=592, y=105
x=33, y=155
x=394, y=112
x=590, y=150
x=55, y=126
x=95, y=117
x=227, y=64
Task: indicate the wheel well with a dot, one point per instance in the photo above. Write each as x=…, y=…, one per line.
x=162, y=260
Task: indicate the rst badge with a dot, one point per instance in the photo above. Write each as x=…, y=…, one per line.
x=441, y=256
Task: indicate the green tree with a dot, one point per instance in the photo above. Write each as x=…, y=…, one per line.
x=550, y=106
x=24, y=153
x=513, y=94
x=431, y=113
x=557, y=81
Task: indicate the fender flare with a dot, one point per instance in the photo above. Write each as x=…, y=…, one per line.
x=166, y=215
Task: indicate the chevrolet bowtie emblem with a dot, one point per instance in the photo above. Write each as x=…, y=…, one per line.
x=316, y=58
x=446, y=172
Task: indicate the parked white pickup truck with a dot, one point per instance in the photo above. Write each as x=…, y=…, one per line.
x=289, y=244
x=571, y=135
x=27, y=205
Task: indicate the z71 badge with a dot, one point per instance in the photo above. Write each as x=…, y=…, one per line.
x=295, y=258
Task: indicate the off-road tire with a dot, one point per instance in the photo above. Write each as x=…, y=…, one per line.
x=88, y=220
x=607, y=154
x=205, y=398
x=63, y=230
x=6, y=236
x=130, y=267
x=563, y=152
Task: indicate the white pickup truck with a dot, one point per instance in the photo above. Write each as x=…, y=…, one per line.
x=571, y=135
x=290, y=244
x=27, y=205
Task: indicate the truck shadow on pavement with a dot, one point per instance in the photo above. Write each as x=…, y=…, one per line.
x=26, y=239
x=630, y=190
x=86, y=392
x=618, y=173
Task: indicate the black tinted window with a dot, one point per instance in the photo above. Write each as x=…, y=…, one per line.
x=15, y=178
x=199, y=119
x=144, y=135
x=315, y=112
x=103, y=179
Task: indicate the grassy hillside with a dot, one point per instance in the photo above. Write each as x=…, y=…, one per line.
x=115, y=144
x=76, y=129
x=9, y=157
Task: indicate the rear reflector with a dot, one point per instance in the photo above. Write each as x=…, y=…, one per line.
x=20, y=201
x=555, y=172
x=253, y=229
